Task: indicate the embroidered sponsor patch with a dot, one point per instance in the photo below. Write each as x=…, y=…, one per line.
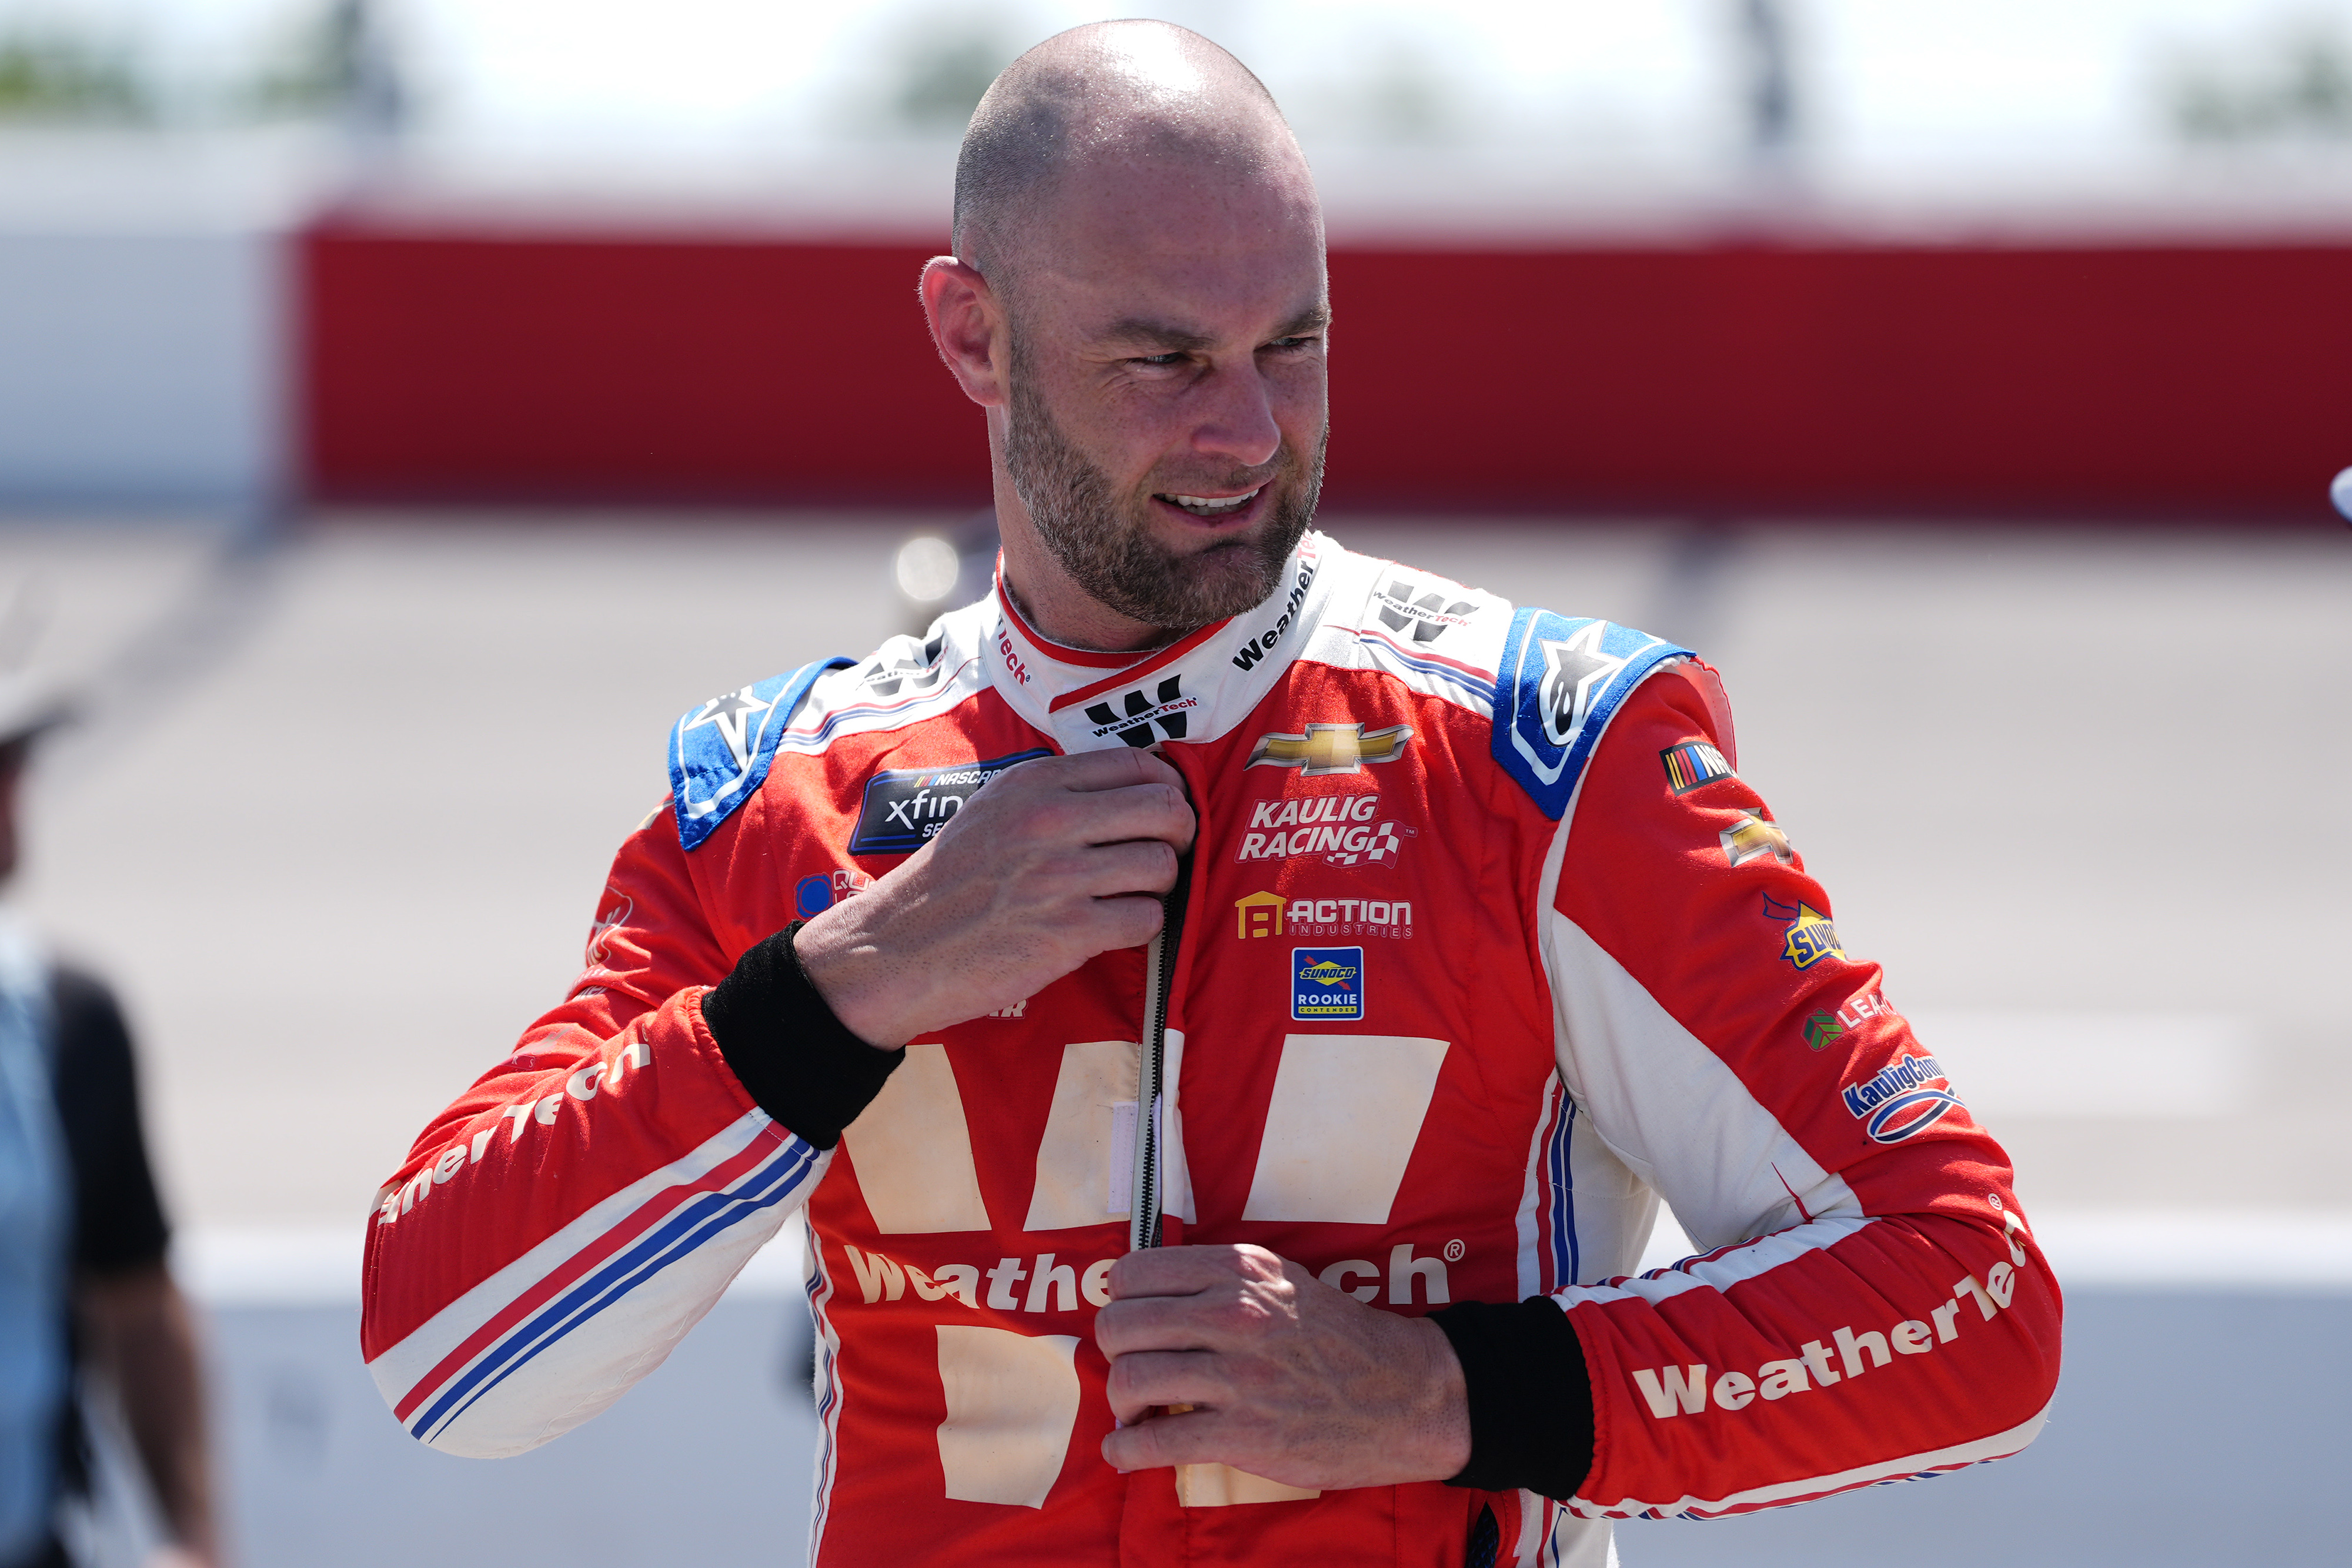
x=903, y=807
x=1755, y=837
x=1812, y=937
x=1164, y=705
x=1326, y=984
x=1407, y=606
x=1344, y=830
x=1328, y=749
x=1902, y=1100
x=1691, y=764
x=1560, y=683
x=1825, y=1027
x=813, y=895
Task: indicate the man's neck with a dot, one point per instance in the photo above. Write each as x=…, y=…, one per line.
x=1053, y=604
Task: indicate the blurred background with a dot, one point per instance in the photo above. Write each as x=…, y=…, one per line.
x=407, y=407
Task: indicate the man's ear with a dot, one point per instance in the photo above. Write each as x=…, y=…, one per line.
x=969, y=328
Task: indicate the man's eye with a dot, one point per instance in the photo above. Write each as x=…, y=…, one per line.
x=1291, y=345
x=1157, y=360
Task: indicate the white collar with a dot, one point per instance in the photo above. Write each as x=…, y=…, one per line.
x=1196, y=688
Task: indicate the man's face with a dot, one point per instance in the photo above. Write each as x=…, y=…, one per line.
x=1169, y=404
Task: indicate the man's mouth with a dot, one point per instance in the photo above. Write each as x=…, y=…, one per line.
x=1212, y=506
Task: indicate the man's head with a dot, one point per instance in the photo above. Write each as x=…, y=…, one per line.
x=1137, y=299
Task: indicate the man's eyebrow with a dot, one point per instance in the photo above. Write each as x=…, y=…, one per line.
x=1171, y=337
x=1314, y=319
x=1167, y=334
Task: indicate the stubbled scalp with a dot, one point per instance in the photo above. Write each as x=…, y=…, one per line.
x=1107, y=92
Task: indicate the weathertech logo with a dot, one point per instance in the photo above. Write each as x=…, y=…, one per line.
x=1165, y=708
x=1328, y=749
x=1676, y=1391
x=1429, y=616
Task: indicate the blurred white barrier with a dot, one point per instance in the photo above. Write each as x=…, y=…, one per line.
x=2108, y=1065
x=142, y=367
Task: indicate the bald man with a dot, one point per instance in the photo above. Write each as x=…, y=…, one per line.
x=1225, y=1008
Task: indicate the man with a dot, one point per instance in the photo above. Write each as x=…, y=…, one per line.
x=82, y=1238
x=1182, y=972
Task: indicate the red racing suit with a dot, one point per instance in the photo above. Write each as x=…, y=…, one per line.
x=1487, y=948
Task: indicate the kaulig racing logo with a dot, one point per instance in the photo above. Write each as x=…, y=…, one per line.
x=1339, y=828
x=905, y=805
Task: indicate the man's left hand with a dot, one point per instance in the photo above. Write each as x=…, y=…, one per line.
x=1286, y=1378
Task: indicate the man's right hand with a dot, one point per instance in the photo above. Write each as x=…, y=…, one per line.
x=1049, y=863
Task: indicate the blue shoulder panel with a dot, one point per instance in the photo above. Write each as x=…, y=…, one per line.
x=719, y=753
x=1559, y=680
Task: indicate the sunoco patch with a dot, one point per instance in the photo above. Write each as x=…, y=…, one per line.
x=1326, y=984
x=904, y=807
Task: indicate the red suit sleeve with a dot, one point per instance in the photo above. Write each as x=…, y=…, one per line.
x=572, y=1215
x=1870, y=1304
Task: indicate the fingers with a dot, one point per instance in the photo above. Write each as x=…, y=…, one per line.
x=1089, y=770
x=1183, y=1439
x=1152, y=1379
x=1140, y=865
x=1096, y=797
x=1188, y=1270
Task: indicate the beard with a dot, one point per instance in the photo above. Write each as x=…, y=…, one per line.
x=1103, y=539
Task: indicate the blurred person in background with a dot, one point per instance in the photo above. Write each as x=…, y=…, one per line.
x=1228, y=1006
x=85, y=1292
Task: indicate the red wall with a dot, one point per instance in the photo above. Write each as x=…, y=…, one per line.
x=2201, y=381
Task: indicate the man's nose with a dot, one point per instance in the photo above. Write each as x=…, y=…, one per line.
x=1236, y=419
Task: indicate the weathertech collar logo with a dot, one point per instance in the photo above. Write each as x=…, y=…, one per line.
x=1902, y=1100
x=1691, y=764
x=1326, y=984
x=1165, y=708
x=1756, y=836
x=1812, y=936
x=1328, y=749
x=1429, y=616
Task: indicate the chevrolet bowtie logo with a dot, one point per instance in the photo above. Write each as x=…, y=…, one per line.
x=1330, y=748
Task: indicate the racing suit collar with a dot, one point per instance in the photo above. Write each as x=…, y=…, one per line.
x=1193, y=689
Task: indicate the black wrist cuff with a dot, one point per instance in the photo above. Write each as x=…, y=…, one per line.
x=1530, y=1395
x=785, y=1047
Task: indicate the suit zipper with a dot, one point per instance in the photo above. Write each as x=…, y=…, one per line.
x=1159, y=968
